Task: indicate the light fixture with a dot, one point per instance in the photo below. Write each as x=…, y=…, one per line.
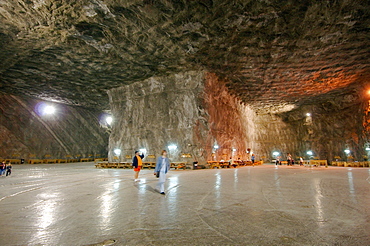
x=347, y=151
x=48, y=109
x=215, y=146
x=172, y=147
x=367, y=148
x=109, y=120
x=117, y=152
x=308, y=114
x=275, y=153
x=309, y=152
x=234, y=149
x=142, y=150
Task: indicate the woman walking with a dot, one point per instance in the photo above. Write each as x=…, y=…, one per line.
x=161, y=168
x=137, y=163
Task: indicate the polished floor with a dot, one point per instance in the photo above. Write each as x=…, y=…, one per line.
x=76, y=204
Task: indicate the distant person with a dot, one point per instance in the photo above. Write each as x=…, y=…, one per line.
x=161, y=168
x=137, y=163
x=289, y=159
x=277, y=162
x=9, y=169
x=229, y=162
x=253, y=158
x=2, y=168
x=301, y=161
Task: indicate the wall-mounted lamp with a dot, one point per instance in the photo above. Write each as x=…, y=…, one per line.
x=142, y=150
x=309, y=153
x=172, y=147
x=275, y=153
x=109, y=120
x=308, y=114
x=216, y=146
x=117, y=152
x=347, y=151
x=234, y=149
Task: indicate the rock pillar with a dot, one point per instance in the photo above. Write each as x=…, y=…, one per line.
x=189, y=114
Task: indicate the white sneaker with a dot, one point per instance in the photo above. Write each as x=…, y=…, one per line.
x=136, y=180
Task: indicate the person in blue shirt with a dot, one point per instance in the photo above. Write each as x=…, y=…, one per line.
x=161, y=168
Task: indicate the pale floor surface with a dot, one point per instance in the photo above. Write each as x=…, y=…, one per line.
x=76, y=204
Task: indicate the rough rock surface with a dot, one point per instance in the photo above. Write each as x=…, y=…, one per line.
x=268, y=52
x=24, y=133
x=195, y=111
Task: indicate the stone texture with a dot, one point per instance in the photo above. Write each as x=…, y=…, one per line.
x=268, y=52
x=71, y=131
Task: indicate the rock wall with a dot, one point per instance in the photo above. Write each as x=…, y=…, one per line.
x=191, y=110
x=24, y=132
x=196, y=112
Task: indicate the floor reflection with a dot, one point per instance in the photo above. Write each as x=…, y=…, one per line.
x=352, y=193
x=318, y=200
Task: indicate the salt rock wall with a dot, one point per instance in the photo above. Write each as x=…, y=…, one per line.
x=191, y=110
x=70, y=131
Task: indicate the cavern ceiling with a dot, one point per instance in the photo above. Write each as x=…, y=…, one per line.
x=268, y=52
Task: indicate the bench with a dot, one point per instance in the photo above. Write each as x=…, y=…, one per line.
x=13, y=161
x=62, y=160
x=50, y=161
x=319, y=163
x=34, y=161
x=178, y=165
x=85, y=159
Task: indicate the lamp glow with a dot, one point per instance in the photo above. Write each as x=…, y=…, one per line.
x=309, y=152
x=234, y=149
x=275, y=153
x=308, y=114
x=367, y=148
x=117, y=152
x=109, y=120
x=347, y=151
x=216, y=146
x=49, y=109
x=142, y=150
x=172, y=147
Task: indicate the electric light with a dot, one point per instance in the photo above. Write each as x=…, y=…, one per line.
x=308, y=114
x=275, y=153
x=109, y=120
x=367, y=148
x=309, y=152
x=234, y=149
x=142, y=150
x=49, y=109
x=347, y=151
x=172, y=147
x=216, y=146
x=117, y=152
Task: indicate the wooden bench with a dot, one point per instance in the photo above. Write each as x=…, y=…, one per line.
x=319, y=163
x=49, y=161
x=148, y=165
x=213, y=164
x=178, y=165
x=85, y=159
x=98, y=160
x=34, y=161
x=62, y=160
x=13, y=161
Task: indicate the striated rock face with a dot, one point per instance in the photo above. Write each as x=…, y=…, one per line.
x=196, y=112
x=268, y=52
x=24, y=131
x=191, y=110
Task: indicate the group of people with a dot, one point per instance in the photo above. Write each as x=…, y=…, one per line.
x=5, y=169
x=290, y=160
x=161, y=168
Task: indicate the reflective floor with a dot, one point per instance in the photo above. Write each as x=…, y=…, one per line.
x=76, y=204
